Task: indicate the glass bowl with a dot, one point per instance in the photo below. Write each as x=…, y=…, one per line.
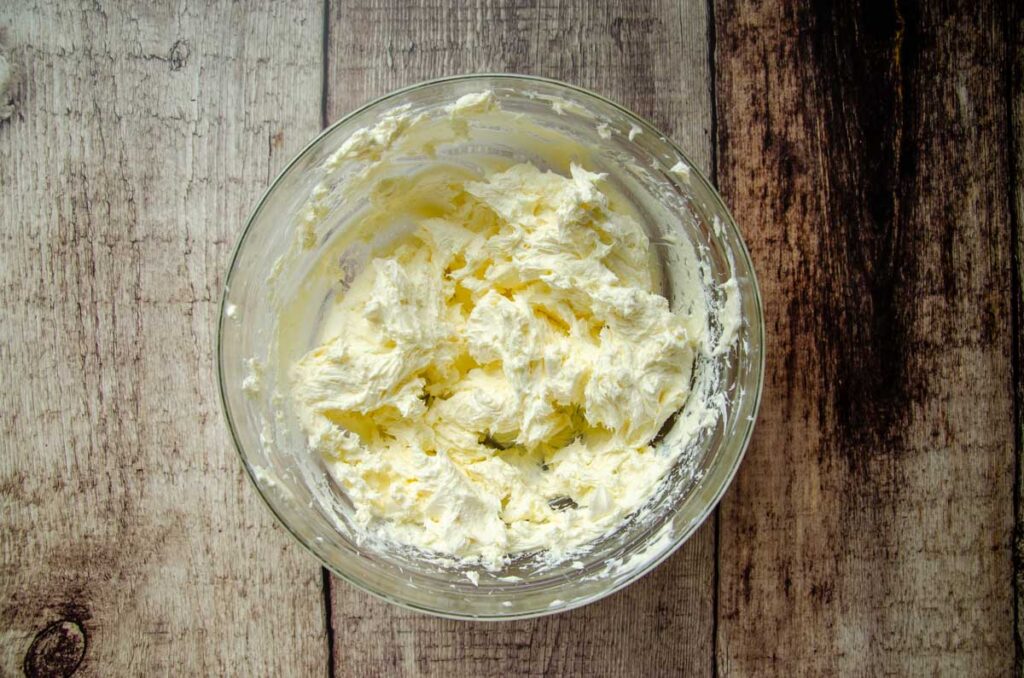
x=686, y=222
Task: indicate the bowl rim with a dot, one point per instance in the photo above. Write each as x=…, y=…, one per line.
x=726, y=478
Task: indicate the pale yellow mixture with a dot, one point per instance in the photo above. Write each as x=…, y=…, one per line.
x=492, y=384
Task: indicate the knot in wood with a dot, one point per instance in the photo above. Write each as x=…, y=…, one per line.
x=178, y=55
x=57, y=650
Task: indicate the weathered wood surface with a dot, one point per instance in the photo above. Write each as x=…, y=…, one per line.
x=1015, y=42
x=141, y=136
x=873, y=158
x=652, y=57
x=864, y=150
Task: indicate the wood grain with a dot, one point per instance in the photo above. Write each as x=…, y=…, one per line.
x=653, y=58
x=141, y=137
x=874, y=157
x=864, y=150
x=1015, y=90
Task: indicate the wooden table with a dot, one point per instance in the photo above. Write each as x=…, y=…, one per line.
x=872, y=155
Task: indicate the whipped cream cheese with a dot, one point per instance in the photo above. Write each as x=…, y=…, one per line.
x=493, y=383
x=494, y=369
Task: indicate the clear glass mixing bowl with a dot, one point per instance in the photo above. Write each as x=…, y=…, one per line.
x=683, y=215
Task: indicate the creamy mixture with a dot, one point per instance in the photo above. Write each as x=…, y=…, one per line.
x=491, y=383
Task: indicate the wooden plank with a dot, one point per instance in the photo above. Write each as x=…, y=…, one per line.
x=140, y=139
x=864, y=151
x=653, y=58
x=1015, y=89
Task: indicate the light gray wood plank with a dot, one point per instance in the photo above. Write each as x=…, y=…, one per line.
x=141, y=137
x=864, y=151
x=653, y=58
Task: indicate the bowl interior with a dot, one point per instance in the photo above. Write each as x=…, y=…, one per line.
x=274, y=303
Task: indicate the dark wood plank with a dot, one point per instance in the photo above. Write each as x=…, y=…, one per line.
x=1015, y=90
x=652, y=57
x=141, y=136
x=863, y=149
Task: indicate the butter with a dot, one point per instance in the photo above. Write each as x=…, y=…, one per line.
x=681, y=170
x=491, y=359
x=372, y=142
x=492, y=383
x=252, y=384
